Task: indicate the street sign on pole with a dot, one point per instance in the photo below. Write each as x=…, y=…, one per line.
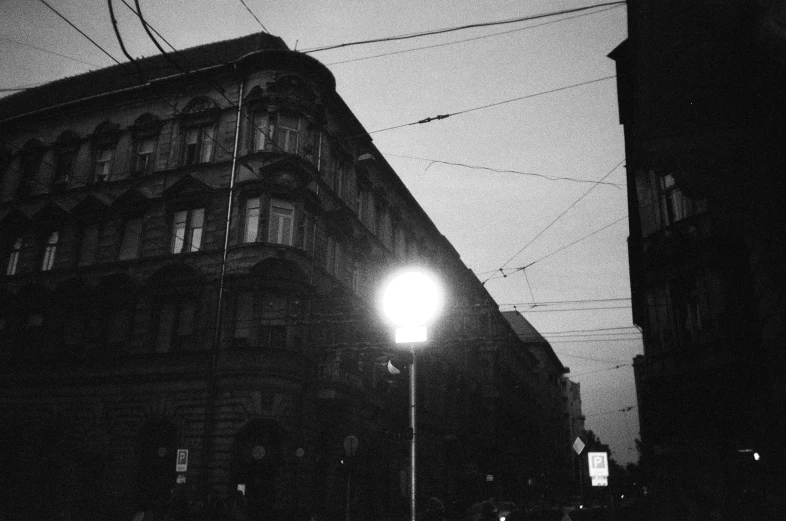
x=600, y=481
x=578, y=445
x=182, y=460
x=598, y=464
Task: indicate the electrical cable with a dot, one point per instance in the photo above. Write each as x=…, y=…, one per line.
x=559, y=216
x=523, y=268
x=80, y=30
x=504, y=171
x=460, y=28
x=49, y=52
x=122, y=44
x=255, y=16
x=489, y=105
x=618, y=366
x=470, y=39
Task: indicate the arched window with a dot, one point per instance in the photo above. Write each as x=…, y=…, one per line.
x=145, y=130
x=30, y=163
x=66, y=149
x=199, y=120
x=104, y=144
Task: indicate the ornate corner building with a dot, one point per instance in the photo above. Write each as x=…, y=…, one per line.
x=191, y=256
x=702, y=98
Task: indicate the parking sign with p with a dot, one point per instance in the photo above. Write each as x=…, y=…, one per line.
x=598, y=464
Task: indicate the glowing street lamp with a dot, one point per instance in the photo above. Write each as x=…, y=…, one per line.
x=411, y=300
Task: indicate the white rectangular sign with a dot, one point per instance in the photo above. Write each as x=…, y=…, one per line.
x=598, y=464
x=182, y=460
x=600, y=481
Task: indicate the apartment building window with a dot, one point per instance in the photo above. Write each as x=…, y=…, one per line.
x=104, y=141
x=131, y=239
x=50, y=250
x=681, y=312
x=662, y=203
x=145, y=152
x=262, y=131
x=282, y=129
x=31, y=156
x=146, y=129
x=175, y=325
x=103, y=163
x=88, y=245
x=199, y=141
x=263, y=319
x=66, y=148
x=199, y=129
x=282, y=218
x=252, y=213
x=13, y=258
x=187, y=227
x=244, y=319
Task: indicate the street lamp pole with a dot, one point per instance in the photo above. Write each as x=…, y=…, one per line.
x=413, y=427
x=411, y=300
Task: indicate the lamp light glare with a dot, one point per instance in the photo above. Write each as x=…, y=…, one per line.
x=411, y=299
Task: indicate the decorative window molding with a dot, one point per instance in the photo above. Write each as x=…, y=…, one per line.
x=198, y=123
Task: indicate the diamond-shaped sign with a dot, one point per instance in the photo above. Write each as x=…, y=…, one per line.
x=578, y=445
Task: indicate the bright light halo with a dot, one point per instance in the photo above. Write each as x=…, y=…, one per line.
x=411, y=299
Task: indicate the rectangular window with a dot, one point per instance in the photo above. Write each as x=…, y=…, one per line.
x=49, y=251
x=88, y=245
x=243, y=319
x=131, y=240
x=287, y=133
x=187, y=226
x=13, y=258
x=282, y=217
x=103, y=164
x=261, y=132
x=199, y=144
x=175, y=325
x=144, y=155
x=360, y=196
x=252, y=213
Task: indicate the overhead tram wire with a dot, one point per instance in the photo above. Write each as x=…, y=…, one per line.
x=558, y=217
x=504, y=171
x=255, y=16
x=122, y=44
x=80, y=30
x=461, y=28
x=618, y=366
x=41, y=49
x=426, y=47
x=495, y=104
x=523, y=268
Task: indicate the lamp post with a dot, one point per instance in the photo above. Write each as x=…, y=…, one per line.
x=410, y=300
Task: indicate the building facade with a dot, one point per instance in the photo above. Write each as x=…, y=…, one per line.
x=701, y=98
x=191, y=251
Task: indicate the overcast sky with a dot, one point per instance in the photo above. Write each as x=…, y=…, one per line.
x=494, y=219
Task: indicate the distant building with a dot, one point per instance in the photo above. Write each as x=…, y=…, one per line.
x=191, y=257
x=702, y=97
x=554, y=461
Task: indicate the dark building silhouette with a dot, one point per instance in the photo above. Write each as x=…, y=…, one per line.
x=191, y=256
x=702, y=97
